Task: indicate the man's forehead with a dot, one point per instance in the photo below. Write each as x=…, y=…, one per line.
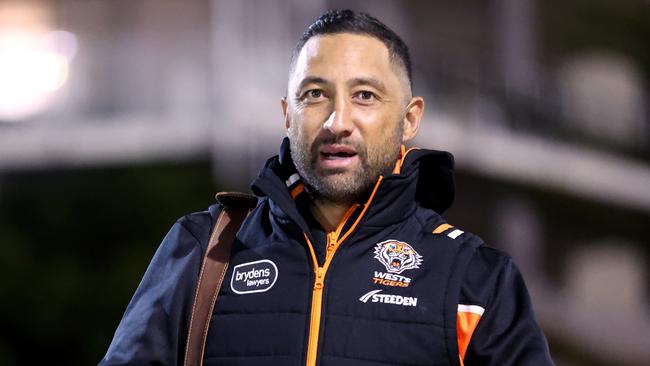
x=319, y=46
x=343, y=53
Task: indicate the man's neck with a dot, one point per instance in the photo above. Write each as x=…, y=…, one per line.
x=328, y=214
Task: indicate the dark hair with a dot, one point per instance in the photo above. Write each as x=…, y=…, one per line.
x=348, y=21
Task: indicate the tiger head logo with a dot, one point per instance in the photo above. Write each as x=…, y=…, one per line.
x=397, y=256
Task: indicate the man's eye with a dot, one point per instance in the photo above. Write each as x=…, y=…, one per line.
x=314, y=94
x=365, y=95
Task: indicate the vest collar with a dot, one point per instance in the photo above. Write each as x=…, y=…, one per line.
x=425, y=178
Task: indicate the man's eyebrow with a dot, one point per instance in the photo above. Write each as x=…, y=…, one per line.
x=310, y=80
x=375, y=83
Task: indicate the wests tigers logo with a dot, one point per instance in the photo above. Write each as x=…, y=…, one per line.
x=397, y=256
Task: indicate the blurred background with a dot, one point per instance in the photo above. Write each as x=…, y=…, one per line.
x=117, y=117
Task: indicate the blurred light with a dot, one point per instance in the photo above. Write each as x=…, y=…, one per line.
x=32, y=67
x=60, y=41
x=34, y=61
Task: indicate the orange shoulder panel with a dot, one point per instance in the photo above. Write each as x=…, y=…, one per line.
x=466, y=322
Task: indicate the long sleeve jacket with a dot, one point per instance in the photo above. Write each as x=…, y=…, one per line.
x=394, y=284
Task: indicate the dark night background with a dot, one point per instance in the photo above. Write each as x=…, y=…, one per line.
x=162, y=104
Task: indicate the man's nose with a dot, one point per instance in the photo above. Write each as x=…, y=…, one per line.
x=340, y=120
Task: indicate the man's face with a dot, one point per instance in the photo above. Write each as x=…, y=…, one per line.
x=345, y=114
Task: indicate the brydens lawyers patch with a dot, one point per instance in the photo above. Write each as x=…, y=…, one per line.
x=397, y=256
x=253, y=277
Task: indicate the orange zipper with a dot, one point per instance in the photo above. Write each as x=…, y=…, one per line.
x=317, y=293
x=334, y=240
x=314, y=324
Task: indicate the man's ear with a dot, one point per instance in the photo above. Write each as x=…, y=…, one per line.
x=283, y=103
x=412, y=118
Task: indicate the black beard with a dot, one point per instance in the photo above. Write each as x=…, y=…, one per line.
x=355, y=187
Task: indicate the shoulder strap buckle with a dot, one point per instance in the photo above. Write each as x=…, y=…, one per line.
x=236, y=199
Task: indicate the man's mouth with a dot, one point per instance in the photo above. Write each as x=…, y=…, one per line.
x=337, y=152
x=337, y=156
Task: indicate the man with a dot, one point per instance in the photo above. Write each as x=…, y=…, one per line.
x=345, y=260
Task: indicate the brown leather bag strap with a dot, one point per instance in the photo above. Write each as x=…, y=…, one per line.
x=236, y=207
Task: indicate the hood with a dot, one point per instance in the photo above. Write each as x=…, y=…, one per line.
x=435, y=188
